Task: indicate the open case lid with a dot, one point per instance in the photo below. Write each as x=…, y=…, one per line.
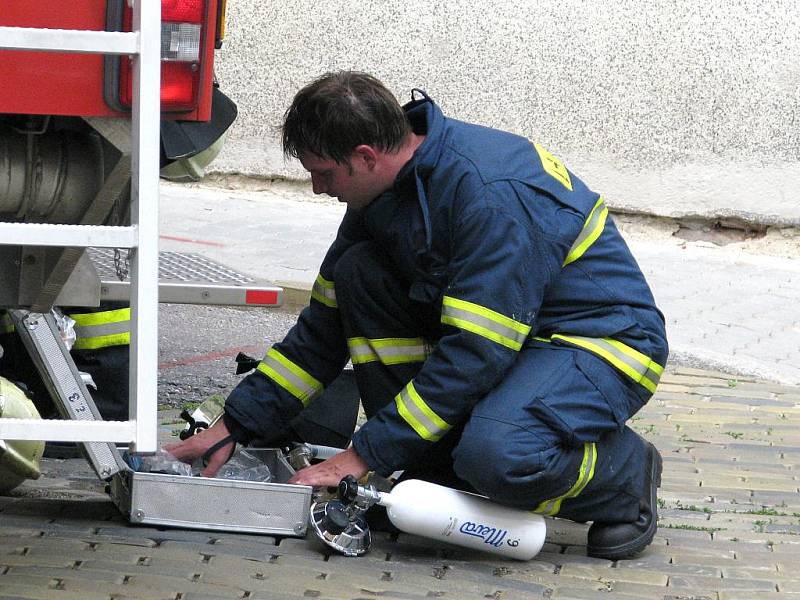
x=41, y=337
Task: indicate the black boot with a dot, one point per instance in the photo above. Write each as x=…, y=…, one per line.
x=616, y=541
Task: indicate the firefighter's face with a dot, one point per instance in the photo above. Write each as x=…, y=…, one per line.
x=356, y=184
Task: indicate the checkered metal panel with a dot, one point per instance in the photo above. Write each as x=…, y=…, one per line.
x=174, y=266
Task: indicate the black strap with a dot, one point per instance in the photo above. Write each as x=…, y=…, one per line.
x=245, y=363
x=210, y=452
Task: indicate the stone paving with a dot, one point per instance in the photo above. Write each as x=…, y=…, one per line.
x=729, y=528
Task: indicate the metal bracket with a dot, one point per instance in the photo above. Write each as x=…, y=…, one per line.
x=40, y=336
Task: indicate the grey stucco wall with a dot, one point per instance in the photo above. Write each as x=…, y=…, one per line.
x=675, y=107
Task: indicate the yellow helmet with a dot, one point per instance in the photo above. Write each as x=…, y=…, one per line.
x=19, y=459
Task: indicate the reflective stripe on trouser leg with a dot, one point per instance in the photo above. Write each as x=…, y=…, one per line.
x=389, y=351
x=290, y=376
x=549, y=431
x=102, y=329
x=635, y=365
x=585, y=475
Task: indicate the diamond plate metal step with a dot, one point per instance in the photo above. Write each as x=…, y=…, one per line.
x=188, y=278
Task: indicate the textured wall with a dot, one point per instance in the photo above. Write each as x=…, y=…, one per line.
x=676, y=107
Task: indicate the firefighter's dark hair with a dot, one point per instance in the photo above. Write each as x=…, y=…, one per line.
x=339, y=111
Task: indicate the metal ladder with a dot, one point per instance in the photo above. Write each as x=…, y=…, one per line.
x=143, y=44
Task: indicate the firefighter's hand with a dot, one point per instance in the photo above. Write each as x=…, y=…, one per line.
x=193, y=448
x=330, y=472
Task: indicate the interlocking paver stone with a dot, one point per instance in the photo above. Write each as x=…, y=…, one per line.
x=729, y=528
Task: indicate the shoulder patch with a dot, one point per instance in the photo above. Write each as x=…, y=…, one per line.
x=554, y=167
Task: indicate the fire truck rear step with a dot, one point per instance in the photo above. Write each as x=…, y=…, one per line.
x=188, y=278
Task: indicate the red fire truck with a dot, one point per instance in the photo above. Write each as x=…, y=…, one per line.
x=82, y=141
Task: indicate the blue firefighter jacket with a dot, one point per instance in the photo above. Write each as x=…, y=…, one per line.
x=511, y=245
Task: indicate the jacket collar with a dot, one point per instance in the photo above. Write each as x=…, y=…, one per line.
x=426, y=119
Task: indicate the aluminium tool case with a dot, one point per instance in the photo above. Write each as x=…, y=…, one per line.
x=159, y=499
x=216, y=504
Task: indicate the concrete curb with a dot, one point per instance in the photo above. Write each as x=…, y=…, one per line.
x=720, y=190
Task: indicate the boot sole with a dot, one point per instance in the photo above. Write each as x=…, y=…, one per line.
x=634, y=547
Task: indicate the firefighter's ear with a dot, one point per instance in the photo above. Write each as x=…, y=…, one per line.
x=366, y=156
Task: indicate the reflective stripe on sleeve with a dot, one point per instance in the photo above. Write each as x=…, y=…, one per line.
x=484, y=322
x=389, y=351
x=592, y=229
x=290, y=376
x=419, y=415
x=324, y=292
x=585, y=475
x=102, y=329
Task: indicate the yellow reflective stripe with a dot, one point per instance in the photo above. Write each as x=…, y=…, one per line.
x=324, y=291
x=101, y=318
x=484, y=322
x=102, y=329
x=6, y=324
x=428, y=425
x=585, y=475
x=634, y=364
x=102, y=341
x=389, y=351
x=554, y=167
x=290, y=376
x=592, y=229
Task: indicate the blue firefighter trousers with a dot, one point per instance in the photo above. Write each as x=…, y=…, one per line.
x=556, y=420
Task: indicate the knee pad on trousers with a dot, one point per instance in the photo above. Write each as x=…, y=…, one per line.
x=520, y=475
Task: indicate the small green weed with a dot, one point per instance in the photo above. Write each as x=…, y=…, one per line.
x=694, y=528
x=693, y=508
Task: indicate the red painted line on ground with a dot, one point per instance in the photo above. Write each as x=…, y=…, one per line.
x=176, y=238
x=208, y=357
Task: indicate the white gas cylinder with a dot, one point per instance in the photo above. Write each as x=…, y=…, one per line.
x=464, y=519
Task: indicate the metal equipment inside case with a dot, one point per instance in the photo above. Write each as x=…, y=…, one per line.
x=217, y=504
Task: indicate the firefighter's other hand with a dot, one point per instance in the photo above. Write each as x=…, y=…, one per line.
x=193, y=448
x=330, y=472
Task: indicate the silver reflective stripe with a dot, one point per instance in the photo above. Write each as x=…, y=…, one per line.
x=484, y=322
x=585, y=475
x=592, y=229
x=289, y=376
x=324, y=292
x=419, y=415
x=103, y=329
x=389, y=351
x=633, y=363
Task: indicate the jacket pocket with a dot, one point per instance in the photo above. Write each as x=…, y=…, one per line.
x=569, y=402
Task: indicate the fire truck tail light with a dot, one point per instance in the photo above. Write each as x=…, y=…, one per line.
x=180, y=42
x=188, y=11
x=177, y=84
x=182, y=24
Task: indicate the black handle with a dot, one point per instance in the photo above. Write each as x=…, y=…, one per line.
x=335, y=520
x=348, y=489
